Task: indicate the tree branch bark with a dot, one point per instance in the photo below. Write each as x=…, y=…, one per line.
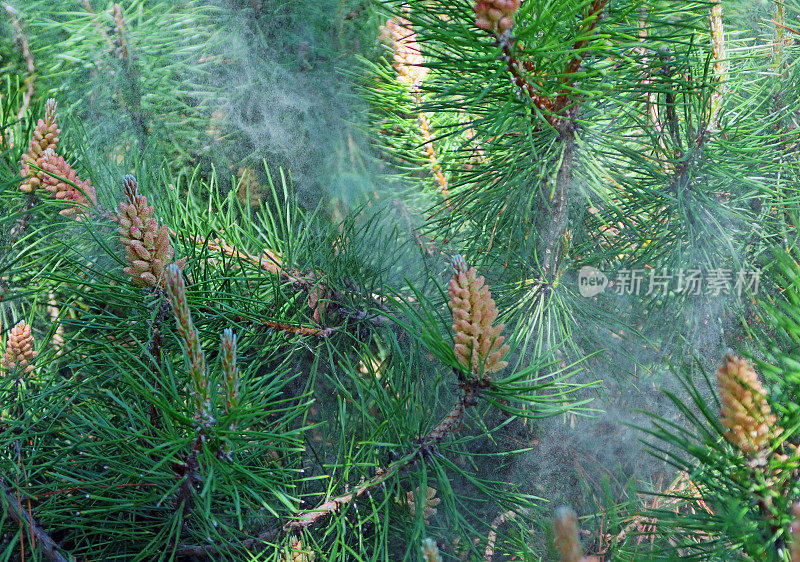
x=18, y=513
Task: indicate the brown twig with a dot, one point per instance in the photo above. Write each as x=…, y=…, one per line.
x=24, y=518
x=450, y=424
x=155, y=346
x=559, y=114
x=552, y=110
x=289, y=329
x=268, y=260
x=452, y=421
x=587, y=28
x=518, y=70
x=566, y=128
x=681, y=493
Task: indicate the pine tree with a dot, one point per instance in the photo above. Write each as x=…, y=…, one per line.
x=196, y=370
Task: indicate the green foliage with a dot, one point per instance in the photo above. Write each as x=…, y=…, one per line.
x=106, y=447
x=623, y=136
x=739, y=505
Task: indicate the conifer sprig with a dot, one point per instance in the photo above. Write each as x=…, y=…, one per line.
x=592, y=133
x=147, y=245
x=738, y=449
x=230, y=369
x=409, y=63
x=23, y=517
x=200, y=387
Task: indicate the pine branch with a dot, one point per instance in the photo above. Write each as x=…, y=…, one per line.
x=130, y=99
x=305, y=519
x=21, y=224
x=155, y=348
x=558, y=211
x=452, y=421
x=449, y=425
x=564, y=109
x=410, y=66
x=18, y=513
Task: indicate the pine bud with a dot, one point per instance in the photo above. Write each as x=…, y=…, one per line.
x=565, y=535
x=19, y=349
x=745, y=411
x=45, y=136
x=147, y=246
x=408, y=60
x=84, y=195
x=430, y=552
x=296, y=552
x=176, y=290
x=496, y=16
x=229, y=368
x=478, y=344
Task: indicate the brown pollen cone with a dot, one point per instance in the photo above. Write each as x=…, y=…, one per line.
x=45, y=136
x=745, y=411
x=478, y=343
x=59, y=189
x=147, y=245
x=19, y=349
x=430, y=501
x=408, y=60
x=565, y=535
x=496, y=15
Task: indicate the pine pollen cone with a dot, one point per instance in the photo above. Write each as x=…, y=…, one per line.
x=430, y=501
x=408, y=60
x=147, y=245
x=565, y=531
x=45, y=135
x=19, y=349
x=478, y=344
x=496, y=15
x=83, y=195
x=745, y=412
